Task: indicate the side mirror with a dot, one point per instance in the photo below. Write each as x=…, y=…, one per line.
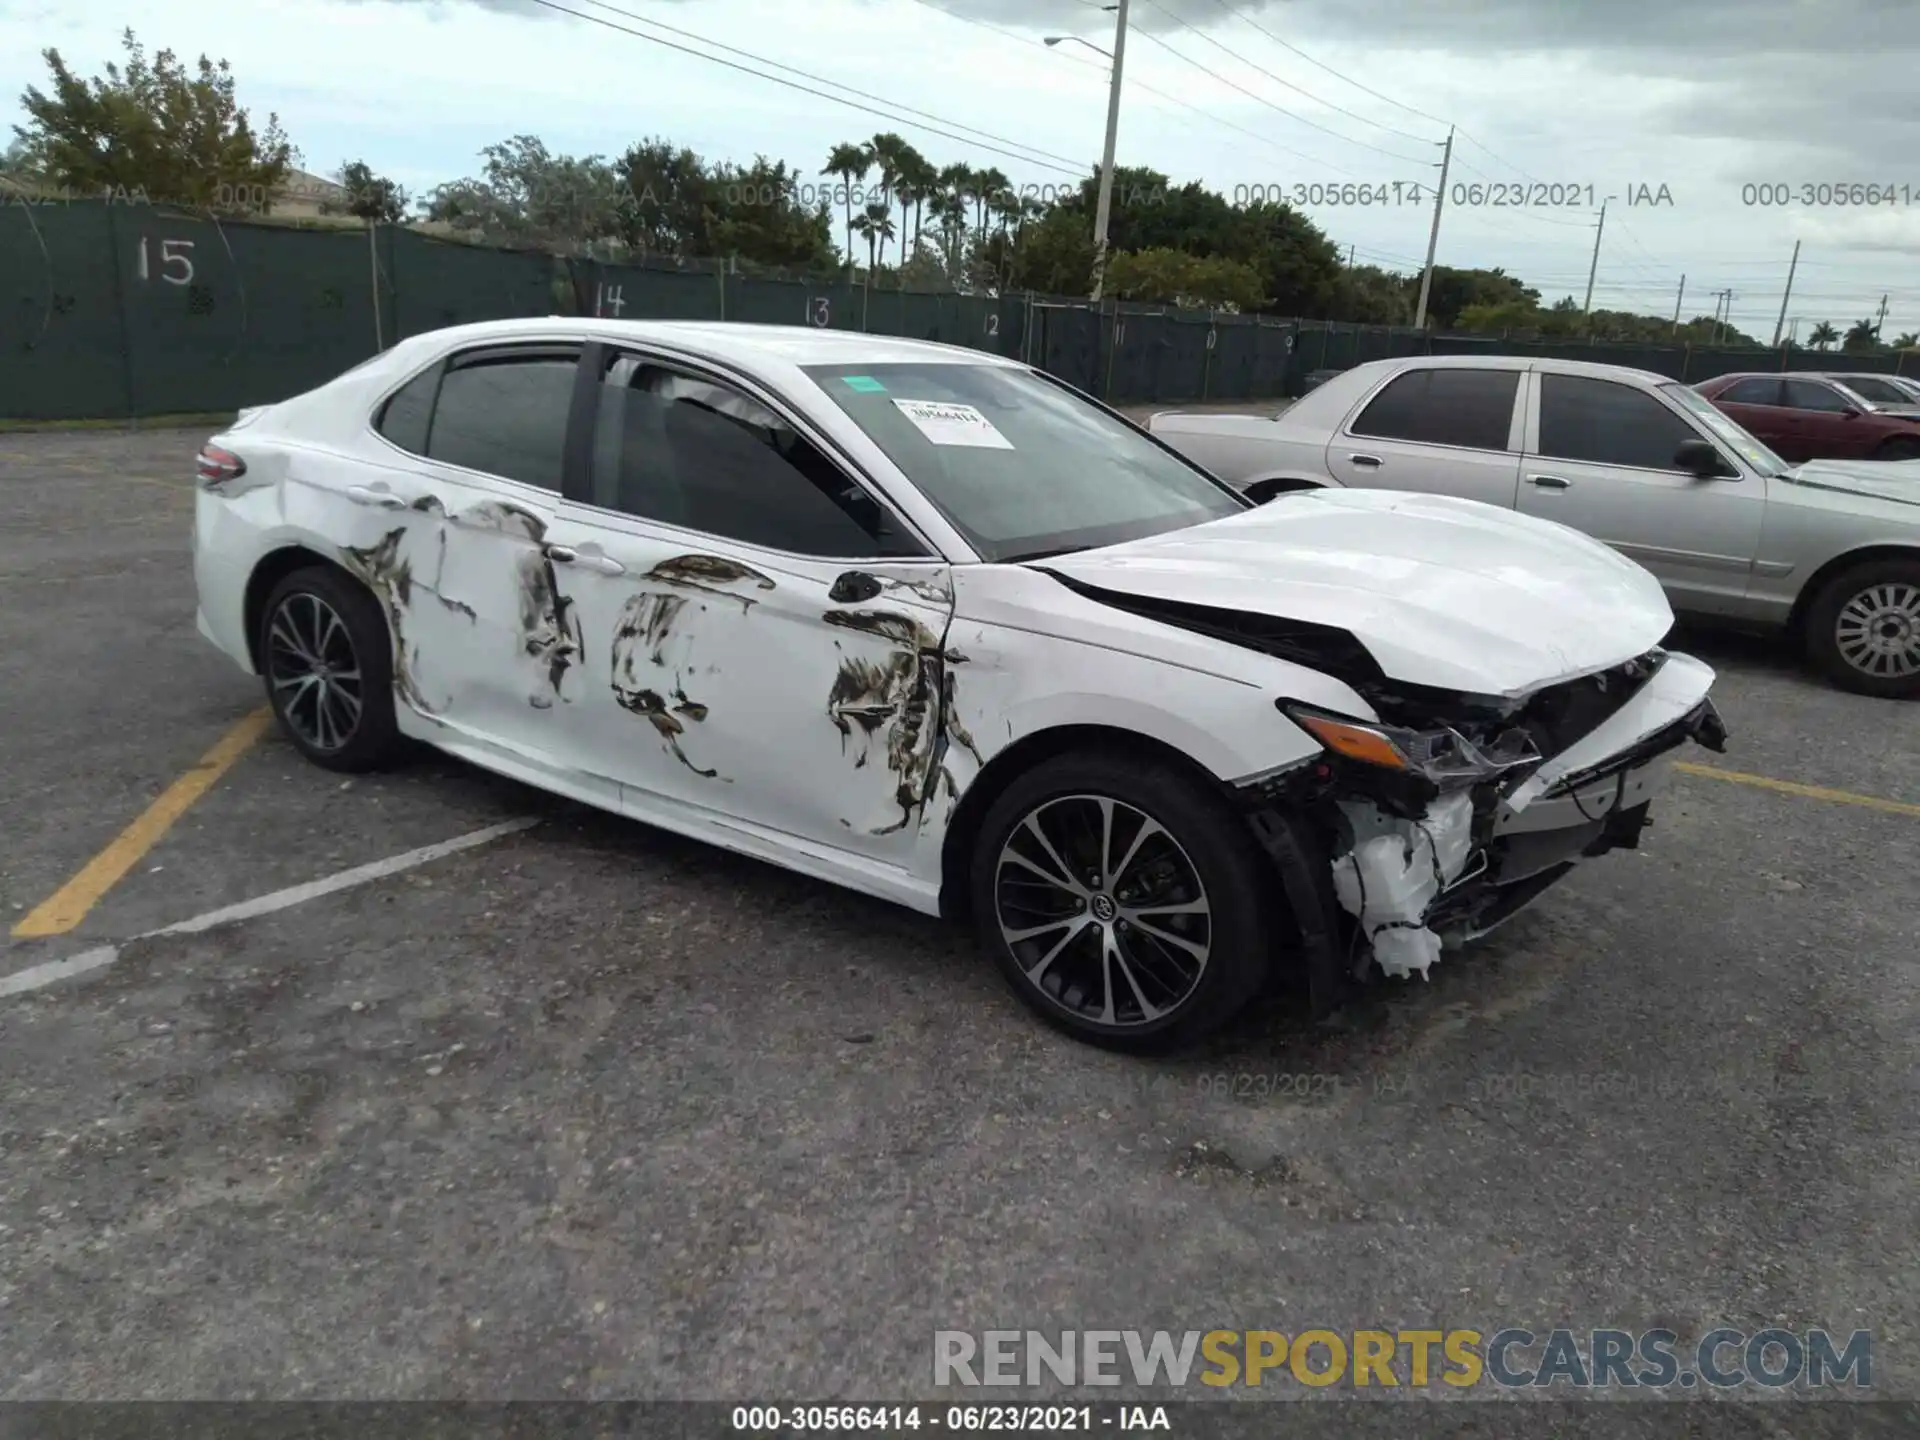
x=1849, y=414
x=1700, y=460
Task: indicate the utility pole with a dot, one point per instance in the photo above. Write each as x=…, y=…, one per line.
x=1792, y=265
x=1881, y=319
x=1105, y=209
x=1724, y=298
x=1677, y=299
x=1594, y=268
x=1433, y=236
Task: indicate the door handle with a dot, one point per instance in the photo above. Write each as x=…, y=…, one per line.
x=853, y=586
x=385, y=499
x=1366, y=462
x=1549, y=482
x=567, y=555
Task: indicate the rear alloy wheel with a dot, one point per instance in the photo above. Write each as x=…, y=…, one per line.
x=1864, y=629
x=1122, y=901
x=326, y=657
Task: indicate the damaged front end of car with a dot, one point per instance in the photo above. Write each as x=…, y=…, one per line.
x=1446, y=814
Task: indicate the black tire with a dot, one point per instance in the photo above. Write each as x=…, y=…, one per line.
x=361, y=639
x=1200, y=829
x=1882, y=588
x=1901, y=447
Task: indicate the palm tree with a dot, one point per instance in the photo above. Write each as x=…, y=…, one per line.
x=1861, y=335
x=888, y=150
x=949, y=213
x=1822, y=335
x=862, y=224
x=989, y=187
x=1908, y=341
x=851, y=163
x=918, y=178
x=879, y=218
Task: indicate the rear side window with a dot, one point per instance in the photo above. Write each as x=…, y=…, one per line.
x=1810, y=395
x=1756, y=391
x=1472, y=409
x=403, y=419
x=1606, y=423
x=506, y=414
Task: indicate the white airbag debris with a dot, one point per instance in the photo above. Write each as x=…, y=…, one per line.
x=1395, y=871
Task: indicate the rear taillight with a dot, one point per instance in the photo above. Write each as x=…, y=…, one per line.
x=216, y=465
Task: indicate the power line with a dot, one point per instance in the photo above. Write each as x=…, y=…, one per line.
x=1148, y=35
x=1136, y=84
x=1278, y=80
x=1249, y=20
x=997, y=142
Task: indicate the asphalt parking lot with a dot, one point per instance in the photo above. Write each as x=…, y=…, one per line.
x=585, y=1110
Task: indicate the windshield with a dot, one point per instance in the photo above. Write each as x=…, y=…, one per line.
x=1727, y=430
x=1019, y=465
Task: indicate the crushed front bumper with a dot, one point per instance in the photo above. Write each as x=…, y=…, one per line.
x=1407, y=888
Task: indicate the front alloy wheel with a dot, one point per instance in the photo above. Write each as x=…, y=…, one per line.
x=1124, y=898
x=1103, y=910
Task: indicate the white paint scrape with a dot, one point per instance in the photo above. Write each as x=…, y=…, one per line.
x=1395, y=871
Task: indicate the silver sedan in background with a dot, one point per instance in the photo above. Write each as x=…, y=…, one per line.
x=1827, y=553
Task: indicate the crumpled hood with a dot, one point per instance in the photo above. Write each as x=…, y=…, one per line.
x=1442, y=592
x=1879, y=479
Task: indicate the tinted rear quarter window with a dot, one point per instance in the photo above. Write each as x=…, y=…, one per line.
x=403, y=419
x=1607, y=423
x=1468, y=408
x=506, y=416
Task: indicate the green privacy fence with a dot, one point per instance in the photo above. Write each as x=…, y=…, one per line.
x=119, y=311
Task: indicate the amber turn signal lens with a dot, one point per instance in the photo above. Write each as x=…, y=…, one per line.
x=1355, y=742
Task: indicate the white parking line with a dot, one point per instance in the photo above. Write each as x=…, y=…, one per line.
x=38, y=977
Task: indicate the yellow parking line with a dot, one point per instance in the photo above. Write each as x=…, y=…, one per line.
x=69, y=905
x=1806, y=792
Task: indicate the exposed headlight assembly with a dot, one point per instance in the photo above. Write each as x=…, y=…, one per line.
x=1443, y=757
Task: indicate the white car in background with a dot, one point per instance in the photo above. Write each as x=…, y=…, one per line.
x=933, y=626
x=1827, y=552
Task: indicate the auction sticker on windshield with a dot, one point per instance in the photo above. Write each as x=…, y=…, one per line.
x=944, y=423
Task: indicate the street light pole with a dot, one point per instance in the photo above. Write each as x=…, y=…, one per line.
x=1104, y=210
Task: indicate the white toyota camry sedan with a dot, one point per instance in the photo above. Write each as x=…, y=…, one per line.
x=934, y=626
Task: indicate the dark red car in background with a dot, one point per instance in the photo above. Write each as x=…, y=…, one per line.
x=1812, y=417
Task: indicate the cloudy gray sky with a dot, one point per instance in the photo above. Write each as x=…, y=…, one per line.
x=1596, y=97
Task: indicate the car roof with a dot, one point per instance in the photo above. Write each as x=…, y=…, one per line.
x=1592, y=369
x=738, y=341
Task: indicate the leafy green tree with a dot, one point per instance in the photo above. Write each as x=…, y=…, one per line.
x=372, y=197
x=1177, y=278
x=1907, y=341
x=1453, y=290
x=674, y=203
x=526, y=195
x=1822, y=336
x=156, y=126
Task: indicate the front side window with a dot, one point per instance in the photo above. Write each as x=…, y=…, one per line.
x=505, y=413
x=1020, y=465
x=1607, y=423
x=1471, y=409
x=1726, y=429
x=1811, y=395
x=690, y=452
